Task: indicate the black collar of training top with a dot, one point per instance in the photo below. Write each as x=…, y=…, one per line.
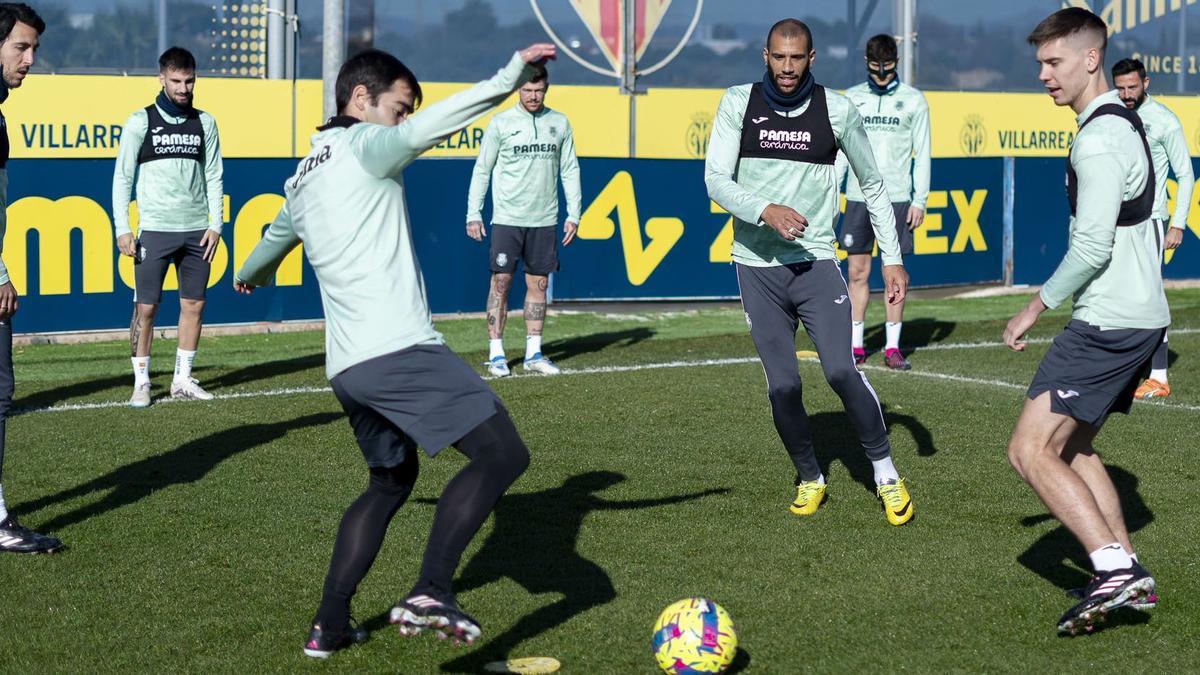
x=339, y=121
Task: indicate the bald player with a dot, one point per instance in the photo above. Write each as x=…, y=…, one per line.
x=1120, y=315
x=770, y=163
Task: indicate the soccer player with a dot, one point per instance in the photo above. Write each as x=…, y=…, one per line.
x=525, y=148
x=173, y=149
x=1169, y=148
x=896, y=118
x=771, y=164
x=20, y=29
x=398, y=382
x=1113, y=269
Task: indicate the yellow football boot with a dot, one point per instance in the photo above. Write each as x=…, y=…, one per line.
x=809, y=495
x=897, y=504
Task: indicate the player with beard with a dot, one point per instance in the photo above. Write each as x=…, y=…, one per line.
x=20, y=31
x=1169, y=148
x=770, y=163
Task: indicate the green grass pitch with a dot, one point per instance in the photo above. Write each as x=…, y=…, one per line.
x=199, y=533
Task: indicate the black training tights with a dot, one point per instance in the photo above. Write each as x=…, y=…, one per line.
x=497, y=457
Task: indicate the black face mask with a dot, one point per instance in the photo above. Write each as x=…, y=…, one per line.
x=882, y=73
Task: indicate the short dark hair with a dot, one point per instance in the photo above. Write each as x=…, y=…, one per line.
x=789, y=29
x=1068, y=22
x=12, y=12
x=882, y=48
x=376, y=70
x=1127, y=66
x=540, y=74
x=176, y=58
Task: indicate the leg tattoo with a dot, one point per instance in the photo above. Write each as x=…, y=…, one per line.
x=497, y=306
x=135, y=333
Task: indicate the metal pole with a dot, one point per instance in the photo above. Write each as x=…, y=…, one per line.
x=1180, y=83
x=161, y=18
x=629, y=69
x=851, y=62
x=276, y=39
x=908, y=52
x=1007, y=245
x=333, y=48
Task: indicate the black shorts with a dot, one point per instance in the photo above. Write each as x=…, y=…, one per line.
x=859, y=237
x=1091, y=373
x=155, y=251
x=537, y=246
x=423, y=395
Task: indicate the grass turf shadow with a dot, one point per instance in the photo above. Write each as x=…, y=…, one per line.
x=543, y=526
x=188, y=463
x=917, y=333
x=260, y=371
x=1052, y=555
x=568, y=348
x=834, y=438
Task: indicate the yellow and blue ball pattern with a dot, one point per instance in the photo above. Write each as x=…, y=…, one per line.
x=694, y=635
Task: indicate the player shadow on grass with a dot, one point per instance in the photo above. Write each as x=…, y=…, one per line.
x=917, y=333
x=533, y=542
x=188, y=463
x=1054, y=553
x=834, y=439
x=254, y=373
x=568, y=348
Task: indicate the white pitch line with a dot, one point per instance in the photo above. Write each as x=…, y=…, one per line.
x=288, y=391
x=1032, y=341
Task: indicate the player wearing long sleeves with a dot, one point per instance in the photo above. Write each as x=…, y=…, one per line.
x=173, y=150
x=896, y=118
x=770, y=163
x=524, y=151
x=397, y=381
x=1113, y=269
x=20, y=32
x=1169, y=150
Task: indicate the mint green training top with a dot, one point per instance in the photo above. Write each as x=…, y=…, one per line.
x=1169, y=149
x=347, y=204
x=746, y=186
x=1115, y=273
x=523, y=154
x=173, y=195
x=898, y=125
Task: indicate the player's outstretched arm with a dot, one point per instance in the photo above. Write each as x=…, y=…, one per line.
x=277, y=242
x=385, y=151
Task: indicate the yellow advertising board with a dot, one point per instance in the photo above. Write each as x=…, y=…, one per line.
x=80, y=116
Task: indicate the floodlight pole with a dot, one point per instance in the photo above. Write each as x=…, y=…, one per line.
x=1181, y=83
x=276, y=39
x=333, y=51
x=161, y=12
x=629, y=69
x=904, y=19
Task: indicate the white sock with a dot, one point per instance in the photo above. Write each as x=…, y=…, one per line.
x=495, y=348
x=141, y=370
x=1111, y=557
x=856, y=334
x=820, y=479
x=3, y=510
x=893, y=334
x=183, y=364
x=885, y=471
x=533, y=345
x=1160, y=375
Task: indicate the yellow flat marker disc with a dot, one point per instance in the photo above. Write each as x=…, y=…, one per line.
x=806, y=354
x=529, y=665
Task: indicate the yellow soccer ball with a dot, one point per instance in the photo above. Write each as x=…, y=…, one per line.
x=694, y=635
